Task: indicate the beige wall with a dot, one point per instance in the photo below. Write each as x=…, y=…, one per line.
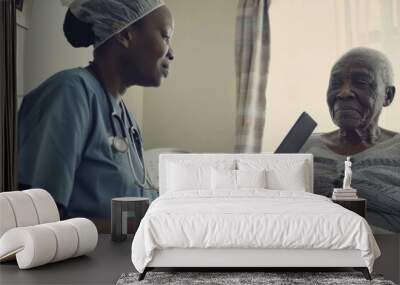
x=294, y=83
x=46, y=51
x=195, y=107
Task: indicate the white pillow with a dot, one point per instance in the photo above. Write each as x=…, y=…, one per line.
x=237, y=179
x=187, y=177
x=292, y=180
x=251, y=178
x=223, y=179
x=193, y=173
x=281, y=174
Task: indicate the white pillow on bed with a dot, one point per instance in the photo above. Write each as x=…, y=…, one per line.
x=184, y=177
x=187, y=174
x=223, y=179
x=281, y=174
x=237, y=179
x=251, y=178
x=293, y=180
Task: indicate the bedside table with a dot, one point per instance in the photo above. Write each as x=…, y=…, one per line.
x=125, y=210
x=358, y=206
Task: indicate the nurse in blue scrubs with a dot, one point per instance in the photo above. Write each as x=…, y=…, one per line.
x=76, y=138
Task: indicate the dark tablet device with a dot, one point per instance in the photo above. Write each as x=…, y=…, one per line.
x=298, y=135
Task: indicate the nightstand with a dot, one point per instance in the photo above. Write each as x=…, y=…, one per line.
x=358, y=206
x=123, y=211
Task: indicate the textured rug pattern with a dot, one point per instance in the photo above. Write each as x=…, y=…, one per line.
x=244, y=278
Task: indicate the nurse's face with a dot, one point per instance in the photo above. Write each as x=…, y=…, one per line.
x=146, y=59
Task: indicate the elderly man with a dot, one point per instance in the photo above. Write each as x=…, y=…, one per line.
x=360, y=85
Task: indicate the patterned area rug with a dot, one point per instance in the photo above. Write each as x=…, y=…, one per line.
x=243, y=278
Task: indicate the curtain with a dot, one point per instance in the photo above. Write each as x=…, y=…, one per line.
x=8, y=98
x=252, y=54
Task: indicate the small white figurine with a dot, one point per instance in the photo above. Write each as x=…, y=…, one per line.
x=347, y=174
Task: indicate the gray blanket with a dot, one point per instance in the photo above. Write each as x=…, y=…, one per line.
x=376, y=176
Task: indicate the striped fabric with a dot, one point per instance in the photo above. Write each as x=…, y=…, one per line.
x=252, y=53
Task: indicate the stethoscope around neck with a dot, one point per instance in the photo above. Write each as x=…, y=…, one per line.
x=121, y=143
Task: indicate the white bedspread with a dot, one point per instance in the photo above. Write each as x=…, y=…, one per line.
x=250, y=219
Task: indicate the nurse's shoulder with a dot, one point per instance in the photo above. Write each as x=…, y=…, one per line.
x=66, y=90
x=76, y=83
x=68, y=95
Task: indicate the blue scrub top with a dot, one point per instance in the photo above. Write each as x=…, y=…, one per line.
x=65, y=145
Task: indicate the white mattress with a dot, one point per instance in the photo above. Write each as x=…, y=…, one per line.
x=252, y=218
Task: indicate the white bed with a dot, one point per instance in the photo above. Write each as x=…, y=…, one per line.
x=198, y=223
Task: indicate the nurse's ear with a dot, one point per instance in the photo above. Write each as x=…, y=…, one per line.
x=126, y=37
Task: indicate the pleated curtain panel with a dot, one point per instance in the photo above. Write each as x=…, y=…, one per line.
x=8, y=98
x=252, y=55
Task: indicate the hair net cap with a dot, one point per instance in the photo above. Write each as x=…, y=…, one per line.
x=109, y=17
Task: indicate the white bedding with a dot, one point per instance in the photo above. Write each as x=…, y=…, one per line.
x=251, y=218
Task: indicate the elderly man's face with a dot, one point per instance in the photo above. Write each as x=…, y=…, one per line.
x=356, y=93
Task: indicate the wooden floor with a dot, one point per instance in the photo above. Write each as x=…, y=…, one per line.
x=106, y=264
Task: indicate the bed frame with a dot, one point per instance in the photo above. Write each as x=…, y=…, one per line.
x=245, y=258
x=242, y=259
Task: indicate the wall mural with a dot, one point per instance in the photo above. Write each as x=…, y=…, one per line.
x=360, y=86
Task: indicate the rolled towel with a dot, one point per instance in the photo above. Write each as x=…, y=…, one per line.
x=23, y=208
x=7, y=218
x=40, y=244
x=67, y=240
x=87, y=235
x=26, y=208
x=45, y=205
x=33, y=246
